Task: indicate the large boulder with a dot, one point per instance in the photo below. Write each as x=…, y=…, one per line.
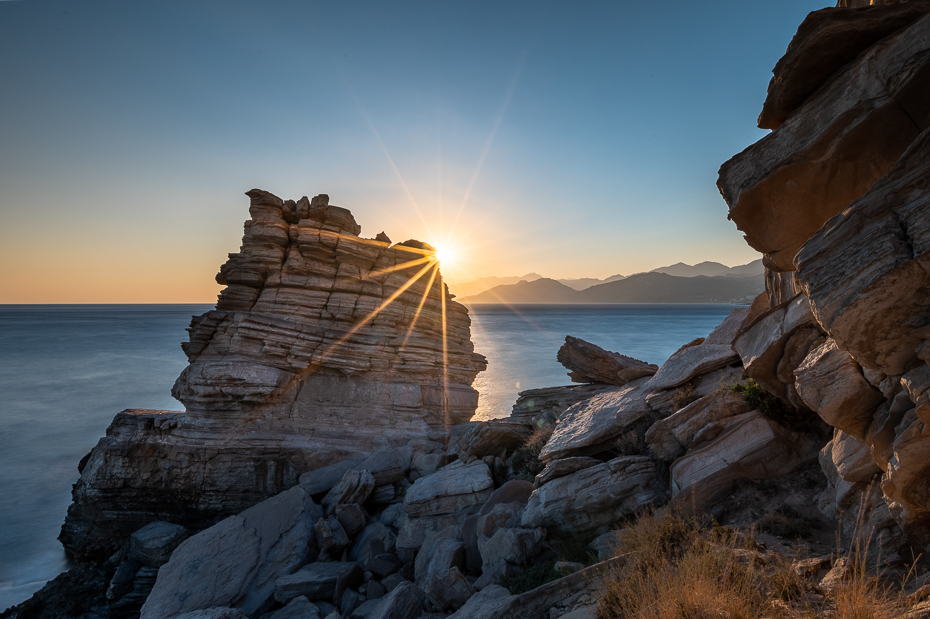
x=589, y=363
x=724, y=333
x=153, y=544
x=691, y=362
x=746, y=446
x=591, y=427
x=236, y=562
x=449, y=490
x=490, y=438
x=545, y=405
x=318, y=581
x=596, y=496
x=831, y=383
x=670, y=437
x=831, y=151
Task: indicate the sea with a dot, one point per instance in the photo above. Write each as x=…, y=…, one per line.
x=66, y=370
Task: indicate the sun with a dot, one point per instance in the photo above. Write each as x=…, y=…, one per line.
x=445, y=255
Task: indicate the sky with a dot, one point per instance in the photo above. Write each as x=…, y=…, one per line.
x=568, y=139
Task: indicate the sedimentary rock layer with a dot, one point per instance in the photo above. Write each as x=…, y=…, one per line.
x=323, y=346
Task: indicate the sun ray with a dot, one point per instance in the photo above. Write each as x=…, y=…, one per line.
x=445, y=364
x=416, y=315
x=398, y=267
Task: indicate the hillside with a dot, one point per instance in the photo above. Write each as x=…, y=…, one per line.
x=640, y=288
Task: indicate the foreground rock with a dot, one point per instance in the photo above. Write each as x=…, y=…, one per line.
x=589, y=363
x=311, y=356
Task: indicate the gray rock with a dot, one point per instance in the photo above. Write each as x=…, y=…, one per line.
x=591, y=427
x=428, y=463
x=375, y=590
x=513, y=545
x=352, y=517
x=364, y=609
x=298, y=608
x=350, y=601
x=414, y=530
x=383, y=495
x=447, y=590
x=392, y=514
x=439, y=554
x=326, y=609
x=489, y=603
x=596, y=496
x=354, y=487
x=323, y=479
x=545, y=406
x=490, y=438
x=670, y=437
x=496, y=574
x=385, y=465
x=380, y=567
x=560, y=468
x=236, y=562
x=331, y=538
x=405, y=601
x=393, y=580
x=606, y=546
x=153, y=544
x=691, y=362
x=318, y=581
x=449, y=490
x=374, y=540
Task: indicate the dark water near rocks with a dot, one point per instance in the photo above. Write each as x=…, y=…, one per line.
x=65, y=371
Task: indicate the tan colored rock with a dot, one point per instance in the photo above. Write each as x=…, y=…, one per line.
x=589, y=363
x=596, y=496
x=831, y=383
x=590, y=427
x=691, y=362
x=666, y=402
x=670, y=437
x=726, y=331
x=852, y=458
x=906, y=480
x=826, y=41
x=831, y=150
x=563, y=467
x=747, y=446
x=547, y=404
x=314, y=354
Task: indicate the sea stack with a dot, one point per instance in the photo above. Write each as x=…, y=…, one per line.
x=323, y=348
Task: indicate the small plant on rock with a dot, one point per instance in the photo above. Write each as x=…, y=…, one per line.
x=684, y=396
x=524, y=463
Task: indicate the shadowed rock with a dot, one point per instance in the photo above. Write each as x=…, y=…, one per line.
x=589, y=363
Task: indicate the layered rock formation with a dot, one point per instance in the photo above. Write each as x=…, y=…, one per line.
x=837, y=199
x=323, y=346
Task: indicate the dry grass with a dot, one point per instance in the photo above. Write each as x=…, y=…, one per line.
x=524, y=462
x=683, y=568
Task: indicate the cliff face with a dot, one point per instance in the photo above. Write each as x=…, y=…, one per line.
x=837, y=198
x=323, y=346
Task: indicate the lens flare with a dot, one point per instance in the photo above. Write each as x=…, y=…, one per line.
x=445, y=255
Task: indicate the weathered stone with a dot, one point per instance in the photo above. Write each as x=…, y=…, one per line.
x=547, y=404
x=852, y=458
x=217, y=612
x=298, y=608
x=865, y=269
x=667, y=401
x=596, y=496
x=907, y=480
x=354, y=487
x=746, y=446
x=511, y=544
x=311, y=357
x=383, y=495
x=405, y=601
x=832, y=150
x=352, y=517
x=589, y=363
x=318, y=581
x=496, y=574
x=331, y=538
x=323, y=479
x=490, y=438
x=489, y=603
x=236, y=562
x=590, y=427
x=669, y=438
x=831, y=383
x=449, y=489
x=153, y=544
x=725, y=333
x=827, y=40
x=374, y=540
x=412, y=531
x=560, y=468
x=385, y=465
x=447, y=590
x=607, y=545
x=349, y=602
x=439, y=554
x=691, y=362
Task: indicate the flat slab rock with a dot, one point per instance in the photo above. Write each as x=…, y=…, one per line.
x=316, y=581
x=589, y=363
x=449, y=489
x=691, y=362
x=589, y=427
x=235, y=563
x=670, y=437
x=596, y=496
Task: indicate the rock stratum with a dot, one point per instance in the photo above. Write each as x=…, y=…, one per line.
x=324, y=346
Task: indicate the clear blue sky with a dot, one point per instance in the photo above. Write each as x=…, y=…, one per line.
x=574, y=139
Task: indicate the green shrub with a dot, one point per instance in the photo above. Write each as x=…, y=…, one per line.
x=759, y=399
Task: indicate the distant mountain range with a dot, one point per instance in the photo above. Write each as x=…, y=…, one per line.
x=707, y=282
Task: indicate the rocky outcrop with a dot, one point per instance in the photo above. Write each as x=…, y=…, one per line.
x=324, y=346
x=589, y=363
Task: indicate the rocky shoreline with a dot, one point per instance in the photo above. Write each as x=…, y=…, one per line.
x=325, y=465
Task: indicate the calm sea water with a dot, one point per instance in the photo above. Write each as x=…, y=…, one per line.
x=65, y=371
